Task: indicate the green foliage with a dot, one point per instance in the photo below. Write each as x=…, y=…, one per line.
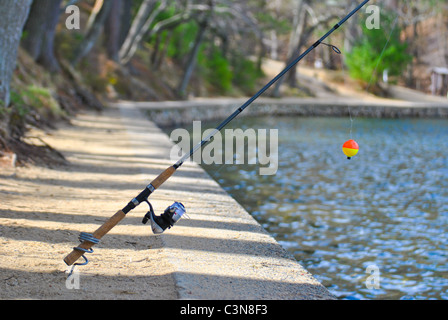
x=225, y=73
x=28, y=98
x=246, y=73
x=216, y=69
x=180, y=43
x=18, y=104
x=367, y=61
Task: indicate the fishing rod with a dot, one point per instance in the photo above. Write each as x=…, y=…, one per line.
x=174, y=212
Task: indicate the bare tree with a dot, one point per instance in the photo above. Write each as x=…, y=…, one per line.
x=144, y=26
x=410, y=15
x=40, y=30
x=303, y=26
x=93, y=33
x=126, y=20
x=235, y=19
x=94, y=13
x=192, y=59
x=113, y=29
x=295, y=42
x=145, y=16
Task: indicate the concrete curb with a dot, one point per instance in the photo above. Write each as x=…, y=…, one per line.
x=173, y=113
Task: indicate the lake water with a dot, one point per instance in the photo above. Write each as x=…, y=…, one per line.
x=374, y=227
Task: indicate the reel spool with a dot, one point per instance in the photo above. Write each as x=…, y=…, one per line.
x=167, y=219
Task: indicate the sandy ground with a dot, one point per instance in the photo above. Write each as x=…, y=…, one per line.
x=42, y=211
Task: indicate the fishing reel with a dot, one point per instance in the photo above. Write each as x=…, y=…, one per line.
x=167, y=219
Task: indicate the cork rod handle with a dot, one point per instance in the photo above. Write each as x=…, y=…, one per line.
x=165, y=175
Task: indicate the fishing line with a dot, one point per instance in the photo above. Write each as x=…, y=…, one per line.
x=394, y=25
x=344, y=76
x=336, y=49
x=382, y=52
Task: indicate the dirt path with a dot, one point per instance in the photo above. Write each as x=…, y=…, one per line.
x=42, y=211
x=328, y=84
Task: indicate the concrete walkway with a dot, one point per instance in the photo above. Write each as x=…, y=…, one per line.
x=221, y=252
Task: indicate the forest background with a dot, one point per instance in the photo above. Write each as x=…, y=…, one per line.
x=58, y=57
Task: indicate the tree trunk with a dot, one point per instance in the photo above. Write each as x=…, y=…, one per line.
x=13, y=14
x=113, y=29
x=94, y=13
x=94, y=32
x=142, y=16
x=158, y=57
x=34, y=29
x=294, y=41
x=126, y=20
x=291, y=77
x=47, y=56
x=352, y=30
x=40, y=30
x=191, y=62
